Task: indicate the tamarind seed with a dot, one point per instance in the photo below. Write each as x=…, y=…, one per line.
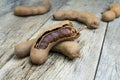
x=43, y=45
x=54, y=36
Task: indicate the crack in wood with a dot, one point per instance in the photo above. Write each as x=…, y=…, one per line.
x=101, y=51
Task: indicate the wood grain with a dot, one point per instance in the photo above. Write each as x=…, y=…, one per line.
x=109, y=67
x=59, y=67
x=15, y=29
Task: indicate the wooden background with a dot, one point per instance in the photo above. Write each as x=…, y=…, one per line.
x=99, y=49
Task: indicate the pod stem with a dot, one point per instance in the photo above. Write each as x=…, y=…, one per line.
x=81, y=28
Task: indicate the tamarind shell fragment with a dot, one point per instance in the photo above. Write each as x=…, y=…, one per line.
x=39, y=54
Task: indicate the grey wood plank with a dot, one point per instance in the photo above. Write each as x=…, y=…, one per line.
x=58, y=67
x=15, y=29
x=109, y=66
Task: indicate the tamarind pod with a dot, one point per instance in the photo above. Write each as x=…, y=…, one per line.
x=62, y=15
x=89, y=19
x=85, y=17
x=113, y=5
x=116, y=10
x=23, y=49
x=49, y=38
x=68, y=48
x=108, y=16
x=32, y=10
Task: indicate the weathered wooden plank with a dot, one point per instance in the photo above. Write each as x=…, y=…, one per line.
x=15, y=29
x=60, y=68
x=109, y=66
x=57, y=66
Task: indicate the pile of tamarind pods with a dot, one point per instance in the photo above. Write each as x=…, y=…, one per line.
x=59, y=37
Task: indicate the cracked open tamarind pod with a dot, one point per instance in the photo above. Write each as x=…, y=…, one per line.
x=87, y=18
x=68, y=48
x=32, y=10
x=49, y=38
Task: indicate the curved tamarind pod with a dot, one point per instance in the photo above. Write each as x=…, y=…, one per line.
x=108, y=16
x=85, y=17
x=68, y=48
x=49, y=38
x=32, y=10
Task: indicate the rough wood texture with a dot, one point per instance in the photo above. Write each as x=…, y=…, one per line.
x=109, y=67
x=109, y=63
x=15, y=29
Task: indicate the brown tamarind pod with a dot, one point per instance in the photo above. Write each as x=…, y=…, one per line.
x=22, y=49
x=32, y=10
x=112, y=13
x=87, y=18
x=108, y=16
x=49, y=38
x=68, y=48
x=113, y=5
x=62, y=15
x=116, y=10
